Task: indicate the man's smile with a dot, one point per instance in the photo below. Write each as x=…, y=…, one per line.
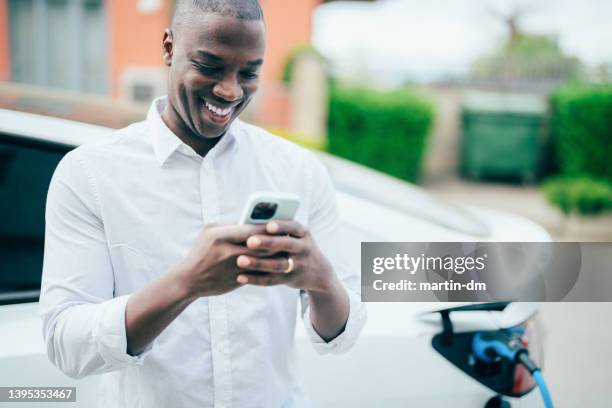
x=216, y=113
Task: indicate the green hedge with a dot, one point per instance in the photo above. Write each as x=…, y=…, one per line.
x=583, y=195
x=383, y=130
x=581, y=127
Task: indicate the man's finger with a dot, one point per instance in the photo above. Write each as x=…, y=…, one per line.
x=263, y=279
x=214, y=225
x=274, y=265
x=280, y=227
x=274, y=244
x=239, y=233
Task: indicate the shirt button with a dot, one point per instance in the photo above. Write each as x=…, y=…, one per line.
x=206, y=166
x=221, y=347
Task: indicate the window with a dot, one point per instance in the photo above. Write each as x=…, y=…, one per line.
x=25, y=172
x=59, y=43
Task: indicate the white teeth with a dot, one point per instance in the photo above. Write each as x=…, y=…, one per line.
x=218, y=111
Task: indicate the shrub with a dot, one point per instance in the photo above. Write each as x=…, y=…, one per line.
x=581, y=126
x=583, y=195
x=384, y=130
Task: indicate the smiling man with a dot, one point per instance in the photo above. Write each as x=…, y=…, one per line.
x=147, y=279
x=214, y=65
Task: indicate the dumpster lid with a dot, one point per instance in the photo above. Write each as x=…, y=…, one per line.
x=503, y=102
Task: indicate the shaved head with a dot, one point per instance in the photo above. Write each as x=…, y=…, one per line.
x=240, y=9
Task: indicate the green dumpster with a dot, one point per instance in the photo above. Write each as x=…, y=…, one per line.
x=503, y=136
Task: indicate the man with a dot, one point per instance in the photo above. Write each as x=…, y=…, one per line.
x=148, y=279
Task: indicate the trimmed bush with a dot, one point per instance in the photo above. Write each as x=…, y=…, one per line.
x=581, y=126
x=383, y=130
x=583, y=195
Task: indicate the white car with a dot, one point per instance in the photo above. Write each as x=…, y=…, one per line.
x=393, y=364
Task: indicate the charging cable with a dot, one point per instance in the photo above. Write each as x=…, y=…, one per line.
x=488, y=346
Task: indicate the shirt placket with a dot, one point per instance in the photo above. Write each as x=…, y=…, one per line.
x=217, y=307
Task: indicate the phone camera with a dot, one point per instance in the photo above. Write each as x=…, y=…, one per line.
x=264, y=211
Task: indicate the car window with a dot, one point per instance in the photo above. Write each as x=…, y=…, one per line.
x=26, y=168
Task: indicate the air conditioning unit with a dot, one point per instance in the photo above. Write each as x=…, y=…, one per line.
x=142, y=84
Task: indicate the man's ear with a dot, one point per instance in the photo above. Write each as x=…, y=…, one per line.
x=168, y=46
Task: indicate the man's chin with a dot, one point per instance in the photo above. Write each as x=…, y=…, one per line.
x=206, y=131
x=210, y=129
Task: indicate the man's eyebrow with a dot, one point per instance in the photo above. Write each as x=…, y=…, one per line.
x=255, y=63
x=210, y=56
x=216, y=58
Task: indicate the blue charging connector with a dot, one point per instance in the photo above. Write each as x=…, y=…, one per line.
x=488, y=346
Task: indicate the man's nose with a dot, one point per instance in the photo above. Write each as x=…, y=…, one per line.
x=228, y=89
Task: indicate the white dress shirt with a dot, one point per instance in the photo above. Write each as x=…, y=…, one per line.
x=125, y=210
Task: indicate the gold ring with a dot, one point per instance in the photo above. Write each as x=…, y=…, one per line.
x=290, y=266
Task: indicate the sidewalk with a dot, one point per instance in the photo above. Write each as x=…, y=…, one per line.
x=527, y=201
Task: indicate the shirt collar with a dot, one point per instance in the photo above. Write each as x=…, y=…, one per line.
x=165, y=142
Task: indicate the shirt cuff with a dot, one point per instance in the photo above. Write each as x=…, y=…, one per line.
x=345, y=340
x=110, y=336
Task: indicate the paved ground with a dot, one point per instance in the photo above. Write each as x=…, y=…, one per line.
x=578, y=356
x=526, y=201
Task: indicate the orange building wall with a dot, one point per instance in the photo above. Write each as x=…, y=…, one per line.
x=5, y=66
x=134, y=38
x=289, y=24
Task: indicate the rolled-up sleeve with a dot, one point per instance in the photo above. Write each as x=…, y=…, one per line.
x=324, y=224
x=83, y=323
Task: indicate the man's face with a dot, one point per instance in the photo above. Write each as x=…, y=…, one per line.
x=214, y=65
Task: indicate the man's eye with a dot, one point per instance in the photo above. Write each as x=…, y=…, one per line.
x=250, y=75
x=207, y=69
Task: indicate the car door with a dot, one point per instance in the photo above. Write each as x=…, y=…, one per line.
x=26, y=168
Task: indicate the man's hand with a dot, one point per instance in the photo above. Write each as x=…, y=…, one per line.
x=329, y=302
x=210, y=267
x=268, y=265
x=214, y=266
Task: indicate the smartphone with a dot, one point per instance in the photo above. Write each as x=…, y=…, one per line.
x=263, y=207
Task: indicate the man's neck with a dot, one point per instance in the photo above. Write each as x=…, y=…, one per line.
x=199, y=144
